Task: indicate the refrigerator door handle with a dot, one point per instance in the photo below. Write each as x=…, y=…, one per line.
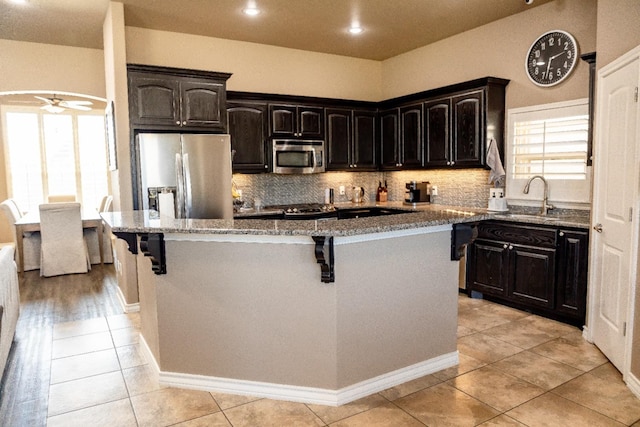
x=187, y=186
x=180, y=186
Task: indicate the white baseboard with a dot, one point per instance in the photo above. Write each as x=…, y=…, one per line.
x=127, y=308
x=633, y=383
x=297, y=393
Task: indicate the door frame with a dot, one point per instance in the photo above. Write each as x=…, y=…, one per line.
x=634, y=256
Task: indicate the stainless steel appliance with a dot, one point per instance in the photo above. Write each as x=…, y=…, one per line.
x=293, y=156
x=417, y=192
x=196, y=166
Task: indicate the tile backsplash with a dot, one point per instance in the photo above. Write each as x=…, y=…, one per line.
x=459, y=187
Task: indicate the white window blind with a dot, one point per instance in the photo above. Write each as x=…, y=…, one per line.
x=549, y=140
x=48, y=153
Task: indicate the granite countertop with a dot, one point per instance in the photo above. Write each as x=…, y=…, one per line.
x=417, y=217
x=427, y=216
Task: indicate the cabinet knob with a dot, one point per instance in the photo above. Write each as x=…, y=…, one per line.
x=561, y=233
x=266, y=166
x=510, y=247
x=505, y=246
x=184, y=123
x=453, y=163
x=178, y=122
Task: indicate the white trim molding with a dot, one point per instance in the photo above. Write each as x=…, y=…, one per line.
x=301, y=394
x=126, y=307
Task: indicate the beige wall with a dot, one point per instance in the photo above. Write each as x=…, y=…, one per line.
x=618, y=29
x=259, y=68
x=498, y=49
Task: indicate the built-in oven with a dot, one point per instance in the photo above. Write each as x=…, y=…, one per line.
x=294, y=156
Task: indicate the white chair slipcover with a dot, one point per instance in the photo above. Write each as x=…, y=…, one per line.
x=64, y=250
x=91, y=237
x=31, y=240
x=9, y=301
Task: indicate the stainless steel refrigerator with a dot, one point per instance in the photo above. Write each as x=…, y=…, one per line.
x=196, y=168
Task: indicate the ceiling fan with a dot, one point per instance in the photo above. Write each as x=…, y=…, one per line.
x=58, y=105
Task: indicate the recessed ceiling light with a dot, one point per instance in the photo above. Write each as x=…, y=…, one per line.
x=356, y=29
x=251, y=11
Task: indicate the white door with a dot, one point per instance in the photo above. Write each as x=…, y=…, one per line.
x=612, y=262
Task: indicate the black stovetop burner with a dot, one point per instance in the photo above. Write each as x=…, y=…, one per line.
x=307, y=211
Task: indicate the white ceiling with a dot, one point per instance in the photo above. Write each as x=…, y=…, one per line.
x=391, y=27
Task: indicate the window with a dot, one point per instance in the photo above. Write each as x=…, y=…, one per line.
x=549, y=140
x=62, y=153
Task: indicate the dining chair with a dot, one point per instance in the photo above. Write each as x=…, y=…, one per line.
x=61, y=198
x=91, y=237
x=64, y=250
x=30, y=242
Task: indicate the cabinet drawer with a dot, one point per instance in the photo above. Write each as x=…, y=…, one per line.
x=517, y=234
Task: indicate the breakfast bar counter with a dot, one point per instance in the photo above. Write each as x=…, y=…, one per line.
x=315, y=311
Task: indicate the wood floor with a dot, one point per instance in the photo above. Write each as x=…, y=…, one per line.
x=44, y=302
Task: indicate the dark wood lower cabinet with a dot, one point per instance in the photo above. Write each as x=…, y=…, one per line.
x=541, y=269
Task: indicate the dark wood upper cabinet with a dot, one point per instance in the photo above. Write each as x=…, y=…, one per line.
x=437, y=132
x=339, y=139
x=163, y=98
x=365, y=140
x=411, y=139
x=249, y=128
x=351, y=139
x=402, y=143
x=296, y=121
x=390, y=139
x=468, y=124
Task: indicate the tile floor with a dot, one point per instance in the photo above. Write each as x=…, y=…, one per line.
x=515, y=369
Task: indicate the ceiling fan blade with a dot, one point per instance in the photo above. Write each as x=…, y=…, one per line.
x=77, y=102
x=75, y=107
x=47, y=100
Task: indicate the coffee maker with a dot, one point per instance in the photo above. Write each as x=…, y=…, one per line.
x=417, y=192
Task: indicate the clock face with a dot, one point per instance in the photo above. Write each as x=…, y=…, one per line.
x=551, y=58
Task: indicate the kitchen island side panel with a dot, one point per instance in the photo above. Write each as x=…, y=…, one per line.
x=247, y=311
x=259, y=312
x=396, y=304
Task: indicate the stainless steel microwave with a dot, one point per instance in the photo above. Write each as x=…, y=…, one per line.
x=295, y=156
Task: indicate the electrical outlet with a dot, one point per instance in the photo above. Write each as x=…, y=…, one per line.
x=342, y=190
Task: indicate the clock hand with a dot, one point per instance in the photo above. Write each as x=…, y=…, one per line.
x=560, y=54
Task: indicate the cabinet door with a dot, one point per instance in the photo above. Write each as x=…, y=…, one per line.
x=283, y=120
x=487, y=267
x=411, y=141
x=365, y=140
x=468, y=138
x=248, y=127
x=531, y=275
x=203, y=104
x=571, y=282
x=389, y=139
x=154, y=100
x=311, y=122
x=437, y=132
x=339, y=139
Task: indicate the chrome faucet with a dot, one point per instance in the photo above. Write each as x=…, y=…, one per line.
x=545, y=205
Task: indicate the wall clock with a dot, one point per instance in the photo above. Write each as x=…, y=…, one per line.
x=551, y=58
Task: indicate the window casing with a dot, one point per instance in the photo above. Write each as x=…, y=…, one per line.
x=549, y=140
x=47, y=153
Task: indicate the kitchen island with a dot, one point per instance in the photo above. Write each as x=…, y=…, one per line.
x=313, y=311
